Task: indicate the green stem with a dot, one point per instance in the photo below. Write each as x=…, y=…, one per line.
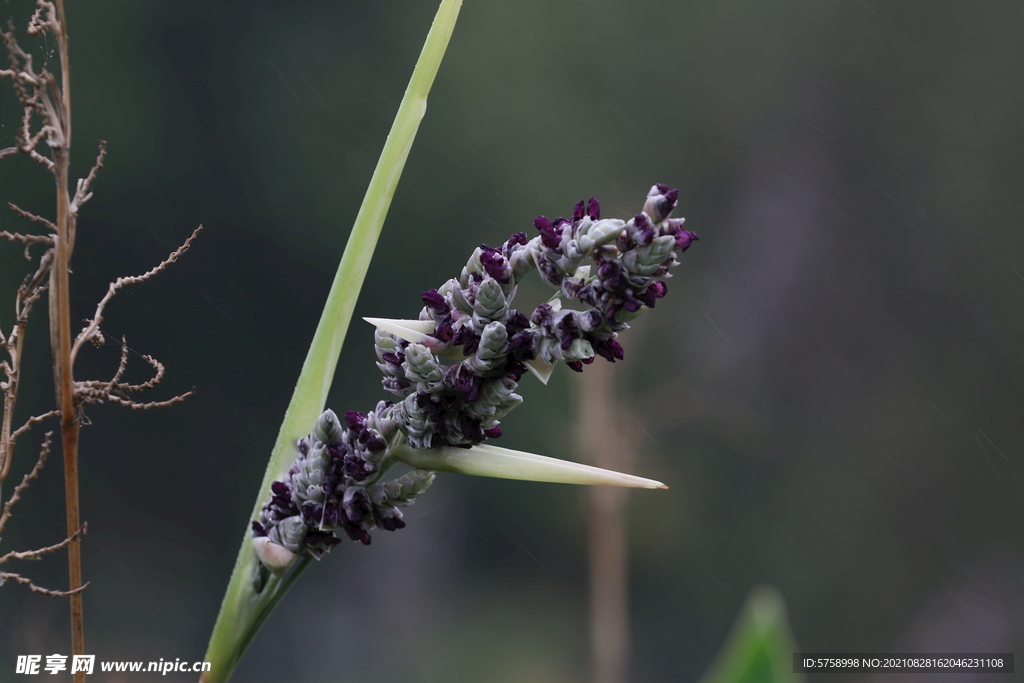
x=244, y=610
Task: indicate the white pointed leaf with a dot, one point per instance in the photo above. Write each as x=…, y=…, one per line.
x=485, y=460
x=418, y=332
x=540, y=368
x=412, y=331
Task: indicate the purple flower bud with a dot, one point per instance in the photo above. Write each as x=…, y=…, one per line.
x=355, y=419
x=643, y=231
x=568, y=330
x=391, y=357
x=433, y=300
x=594, y=208
x=496, y=266
x=516, y=239
x=470, y=428
x=579, y=211
x=685, y=238
x=550, y=235
x=444, y=330
x=656, y=290
x=319, y=542
x=356, y=503
x=493, y=432
x=575, y=365
x=541, y=314
x=609, y=349
x=660, y=202
x=258, y=529
x=516, y=322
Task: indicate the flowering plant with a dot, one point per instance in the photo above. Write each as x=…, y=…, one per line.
x=446, y=411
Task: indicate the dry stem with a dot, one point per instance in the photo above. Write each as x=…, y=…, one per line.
x=46, y=103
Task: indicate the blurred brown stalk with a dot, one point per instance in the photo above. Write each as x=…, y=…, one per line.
x=602, y=442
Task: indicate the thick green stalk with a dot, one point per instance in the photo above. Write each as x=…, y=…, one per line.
x=243, y=609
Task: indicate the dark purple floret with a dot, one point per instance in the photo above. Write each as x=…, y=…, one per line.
x=550, y=235
x=517, y=239
x=644, y=231
x=685, y=238
x=319, y=542
x=281, y=500
x=258, y=529
x=355, y=419
x=655, y=291
x=466, y=339
x=609, y=349
x=391, y=357
x=594, y=208
x=493, y=432
x=496, y=266
x=388, y=522
x=356, y=504
x=568, y=330
x=517, y=322
x=444, y=331
x=661, y=201
x=433, y=300
x=579, y=212
x=470, y=429
x=522, y=346
x=575, y=365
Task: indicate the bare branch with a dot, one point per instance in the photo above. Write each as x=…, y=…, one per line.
x=18, y=578
x=26, y=239
x=91, y=329
x=135, y=405
x=82, y=193
x=31, y=216
x=35, y=554
x=34, y=420
x=20, y=488
x=34, y=288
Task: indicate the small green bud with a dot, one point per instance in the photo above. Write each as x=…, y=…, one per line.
x=292, y=532
x=420, y=365
x=490, y=300
x=328, y=429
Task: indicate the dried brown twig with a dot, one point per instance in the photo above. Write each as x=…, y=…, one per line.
x=34, y=554
x=45, y=137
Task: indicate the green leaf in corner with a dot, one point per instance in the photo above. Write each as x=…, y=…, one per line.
x=760, y=648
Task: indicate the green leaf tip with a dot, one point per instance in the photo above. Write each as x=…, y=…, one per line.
x=760, y=648
x=485, y=460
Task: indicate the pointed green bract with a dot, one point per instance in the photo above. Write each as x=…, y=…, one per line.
x=244, y=609
x=760, y=648
x=484, y=460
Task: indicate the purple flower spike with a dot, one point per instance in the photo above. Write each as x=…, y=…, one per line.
x=594, y=208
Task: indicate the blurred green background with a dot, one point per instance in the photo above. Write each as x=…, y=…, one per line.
x=832, y=388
